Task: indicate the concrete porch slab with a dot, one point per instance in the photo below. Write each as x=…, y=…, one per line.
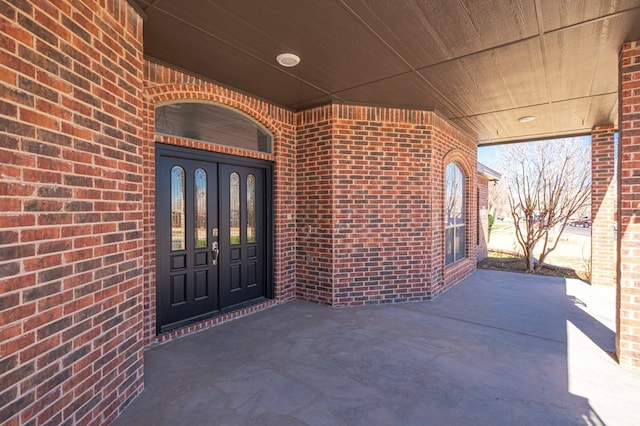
x=500, y=348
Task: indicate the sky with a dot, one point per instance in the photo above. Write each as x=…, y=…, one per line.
x=489, y=155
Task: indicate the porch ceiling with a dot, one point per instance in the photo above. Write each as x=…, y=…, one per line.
x=482, y=64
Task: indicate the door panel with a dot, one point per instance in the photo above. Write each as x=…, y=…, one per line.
x=242, y=245
x=186, y=206
x=212, y=235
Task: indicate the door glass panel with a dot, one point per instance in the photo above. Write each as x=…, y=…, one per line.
x=234, y=208
x=178, y=236
x=251, y=209
x=200, y=191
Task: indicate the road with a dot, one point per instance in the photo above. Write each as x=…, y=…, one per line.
x=577, y=231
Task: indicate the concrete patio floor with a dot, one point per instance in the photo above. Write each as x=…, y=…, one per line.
x=498, y=349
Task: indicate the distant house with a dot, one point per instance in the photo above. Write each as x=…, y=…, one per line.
x=485, y=176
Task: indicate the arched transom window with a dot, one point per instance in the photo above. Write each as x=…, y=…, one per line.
x=454, y=215
x=211, y=123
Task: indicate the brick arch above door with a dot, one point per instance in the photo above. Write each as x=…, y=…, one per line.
x=164, y=84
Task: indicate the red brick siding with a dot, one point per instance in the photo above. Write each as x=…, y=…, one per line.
x=628, y=320
x=71, y=223
x=603, y=204
x=483, y=218
x=164, y=84
x=380, y=206
x=315, y=194
x=371, y=224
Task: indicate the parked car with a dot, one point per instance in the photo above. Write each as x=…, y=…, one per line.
x=585, y=222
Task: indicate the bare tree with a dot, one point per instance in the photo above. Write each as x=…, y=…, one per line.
x=549, y=182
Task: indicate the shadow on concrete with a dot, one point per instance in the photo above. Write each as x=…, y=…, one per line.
x=500, y=348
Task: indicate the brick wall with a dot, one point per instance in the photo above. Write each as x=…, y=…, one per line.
x=380, y=205
x=483, y=218
x=315, y=194
x=164, y=84
x=603, y=204
x=71, y=217
x=371, y=226
x=628, y=316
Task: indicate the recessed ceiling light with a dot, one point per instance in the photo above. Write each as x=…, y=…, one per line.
x=526, y=119
x=288, y=59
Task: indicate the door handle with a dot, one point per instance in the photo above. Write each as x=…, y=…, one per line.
x=216, y=252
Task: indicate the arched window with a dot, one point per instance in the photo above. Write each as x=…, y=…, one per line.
x=454, y=214
x=211, y=123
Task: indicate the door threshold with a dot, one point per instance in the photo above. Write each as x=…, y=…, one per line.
x=200, y=322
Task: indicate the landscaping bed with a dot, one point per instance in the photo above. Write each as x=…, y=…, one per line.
x=509, y=262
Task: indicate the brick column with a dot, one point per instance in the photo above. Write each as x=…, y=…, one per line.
x=628, y=298
x=603, y=202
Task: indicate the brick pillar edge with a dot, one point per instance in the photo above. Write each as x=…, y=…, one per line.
x=603, y=203
x=628, y=295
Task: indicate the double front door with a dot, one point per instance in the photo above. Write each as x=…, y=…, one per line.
x=212, y=232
